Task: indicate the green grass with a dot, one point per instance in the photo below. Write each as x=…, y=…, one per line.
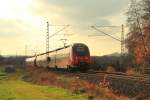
x=1, y=71
x=2, y=74
x=14, y=88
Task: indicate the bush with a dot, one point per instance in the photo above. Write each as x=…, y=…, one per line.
x=10, y=69
x=110, y=69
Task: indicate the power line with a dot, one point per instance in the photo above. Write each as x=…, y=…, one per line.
x=59, y=31
x=122, y=41
x=105, y=33
x=48, y=36
x=57, y=25
x=95, y=35
x=108, y=26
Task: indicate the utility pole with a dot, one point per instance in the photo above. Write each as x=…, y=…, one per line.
x=122, y=48
x=47, y=40
x=50, y=36
x=121, y=41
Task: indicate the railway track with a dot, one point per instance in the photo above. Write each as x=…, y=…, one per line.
x=100, y=75
x=128, y=85
x=115, y=75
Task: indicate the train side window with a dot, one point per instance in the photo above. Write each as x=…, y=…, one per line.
x=48, y=59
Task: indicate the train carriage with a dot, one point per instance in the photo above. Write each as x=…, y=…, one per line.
x=62, y=57
x=41, y=60
x=71, y=56
x=30, y=61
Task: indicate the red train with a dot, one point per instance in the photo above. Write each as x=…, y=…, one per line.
x=76, y=56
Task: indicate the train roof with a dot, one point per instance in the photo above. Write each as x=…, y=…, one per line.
x=75, y=44
x=50, y=51
x=57, y=49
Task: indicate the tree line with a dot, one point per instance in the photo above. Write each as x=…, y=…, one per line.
x=138, y=38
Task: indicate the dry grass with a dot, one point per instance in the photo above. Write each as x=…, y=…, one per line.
x=73, y=84
x=77, y=86
x=14, y=88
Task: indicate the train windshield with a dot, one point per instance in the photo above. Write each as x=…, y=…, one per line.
x=81, y=51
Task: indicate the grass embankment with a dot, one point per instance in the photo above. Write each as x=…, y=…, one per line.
x=12, y=87
x=72, y=83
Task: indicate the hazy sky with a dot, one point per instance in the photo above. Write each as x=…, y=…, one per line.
x=23, y=22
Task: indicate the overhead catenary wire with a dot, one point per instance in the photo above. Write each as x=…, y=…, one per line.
x=104, y=33
x=59, y=31
x=121, y=41
x=50, y=36
x=107, y=26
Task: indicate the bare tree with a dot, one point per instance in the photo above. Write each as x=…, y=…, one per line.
x=138, y=21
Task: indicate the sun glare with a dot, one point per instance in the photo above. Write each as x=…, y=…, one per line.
x=14, y=9
x=19, y=10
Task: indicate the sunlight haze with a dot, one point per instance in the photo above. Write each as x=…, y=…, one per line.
x=23, y=23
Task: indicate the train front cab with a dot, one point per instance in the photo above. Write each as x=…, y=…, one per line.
x=81, y=56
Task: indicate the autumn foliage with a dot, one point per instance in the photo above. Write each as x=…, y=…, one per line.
x=142, y=53
x=138, y=38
